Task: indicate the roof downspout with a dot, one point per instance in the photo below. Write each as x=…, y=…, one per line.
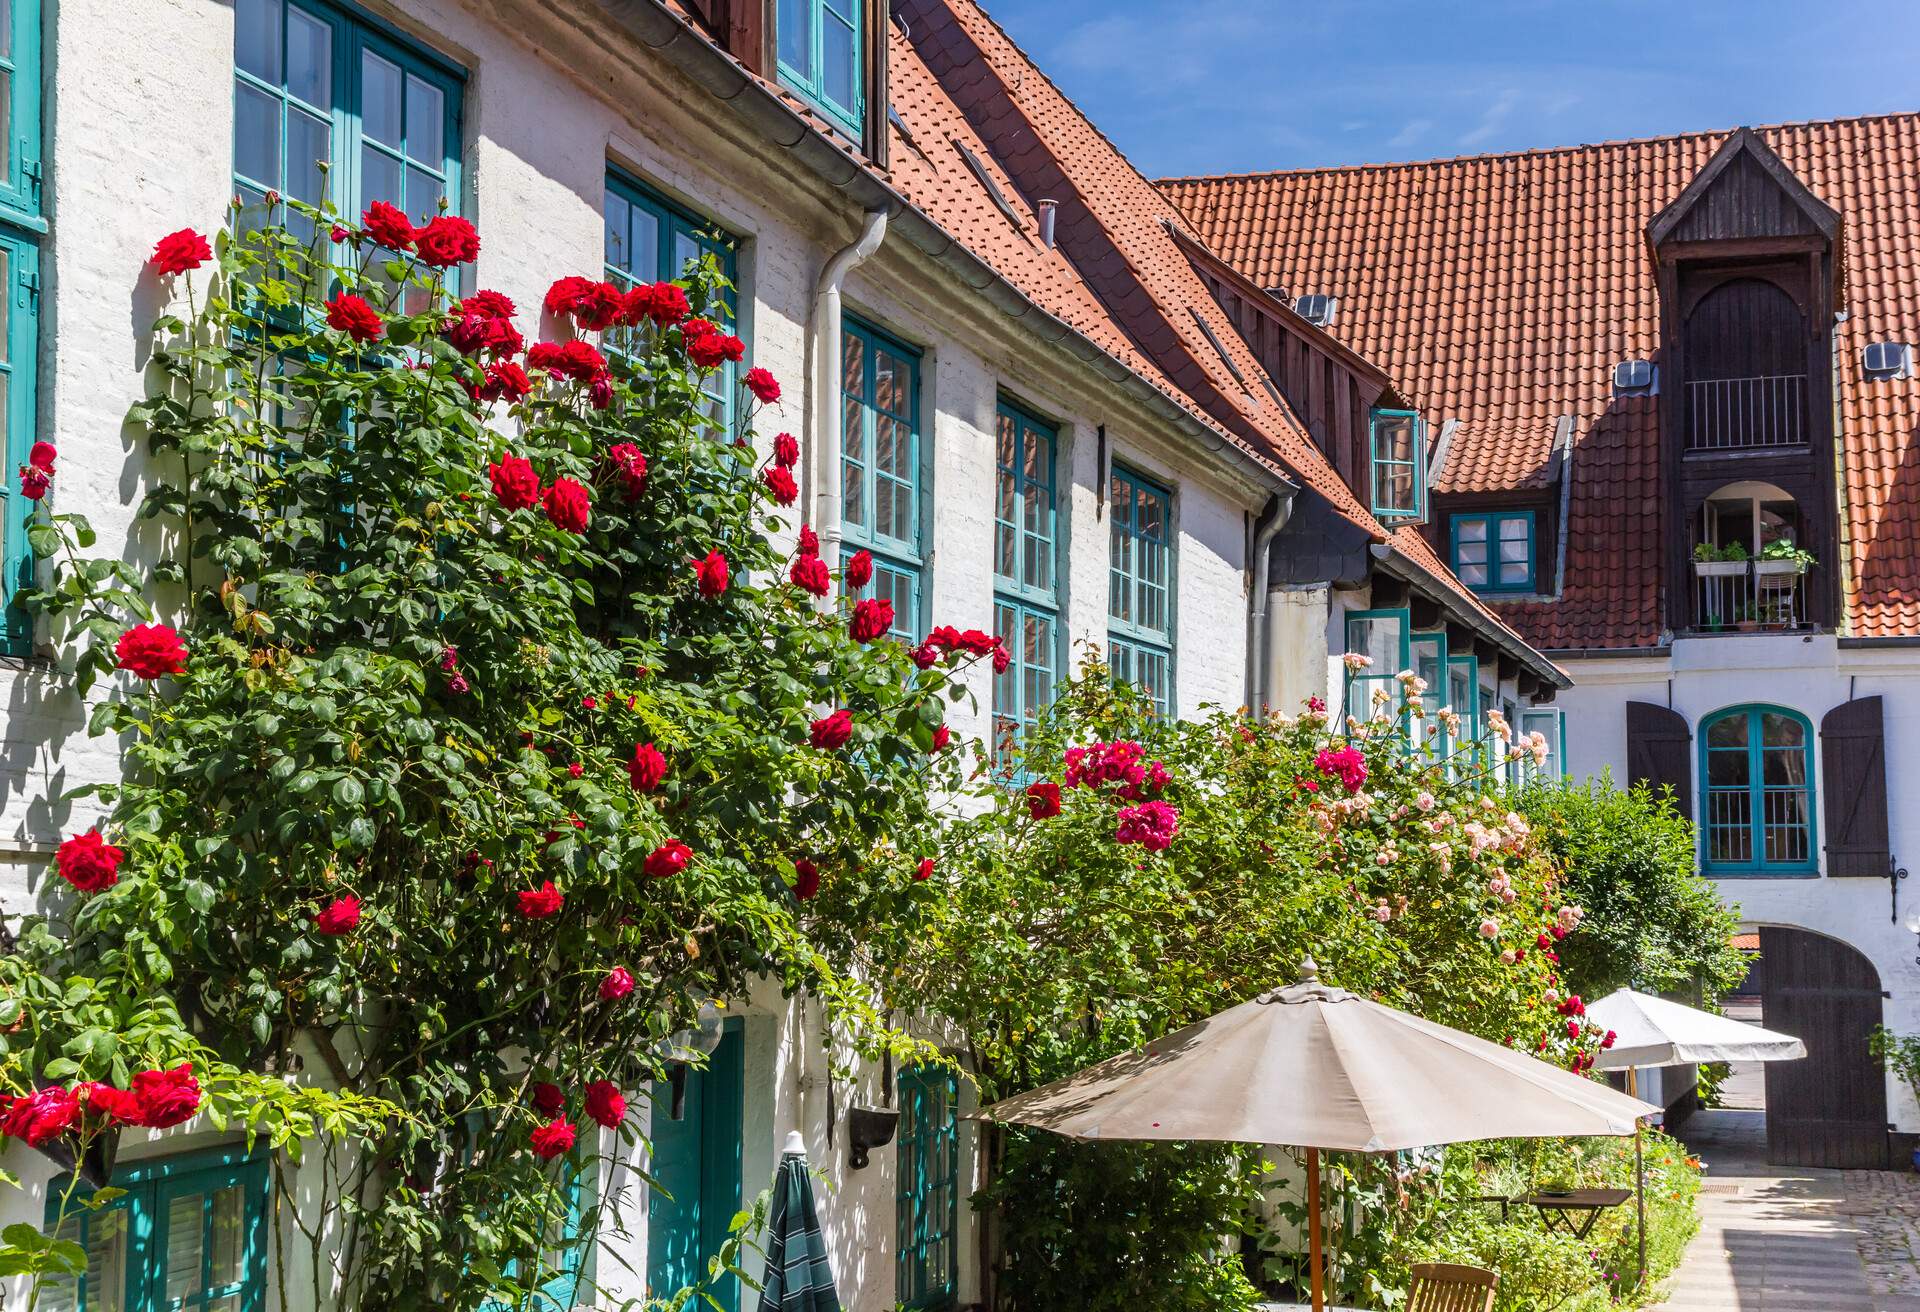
x=824, y=347
x=1274, y=518
x=1563, y=442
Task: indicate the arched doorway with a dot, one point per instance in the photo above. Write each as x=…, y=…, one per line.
x=1831, y=1109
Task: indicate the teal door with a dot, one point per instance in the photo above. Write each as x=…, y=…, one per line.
x=696, y=1172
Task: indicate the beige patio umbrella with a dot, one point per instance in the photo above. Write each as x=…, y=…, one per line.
x=1319, y=1068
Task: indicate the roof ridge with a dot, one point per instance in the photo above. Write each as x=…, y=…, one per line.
x=1619, y=143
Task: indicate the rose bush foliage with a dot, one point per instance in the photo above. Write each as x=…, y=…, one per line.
x=485, y=752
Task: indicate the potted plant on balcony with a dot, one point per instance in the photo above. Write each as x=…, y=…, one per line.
x=1711, y=562
x=1780, y=562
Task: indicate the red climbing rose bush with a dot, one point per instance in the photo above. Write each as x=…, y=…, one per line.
x=487, y=735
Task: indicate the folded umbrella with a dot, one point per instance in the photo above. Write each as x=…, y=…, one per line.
x=799, y=1278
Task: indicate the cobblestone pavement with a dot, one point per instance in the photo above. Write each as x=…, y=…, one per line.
x=1794, y=1239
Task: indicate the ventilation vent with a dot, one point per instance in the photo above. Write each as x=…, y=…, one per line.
x=1280, y=294
x=1888, y=360
x=1635, y=378
x=1317, y=309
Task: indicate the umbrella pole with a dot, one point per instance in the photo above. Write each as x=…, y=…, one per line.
x=1640, y=1197
x=1315, y=1259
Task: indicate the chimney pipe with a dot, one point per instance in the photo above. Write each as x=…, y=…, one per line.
x=1047, y=208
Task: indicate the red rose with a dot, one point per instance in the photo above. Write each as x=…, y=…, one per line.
x=630, y=466
x=809, y=573
x=809, y=541
x=548, y=1098
x=116, y=1106
x=353, y=316
x=647, y=768
x=167, y=1097
x=1043, y=800
x=763, y=385
x=89, y=862
x=975, y=642
x=924, y=871
x=542, y=902
x=150, y=650
x=337, y=234
x=447, y=240
x=592, y=305
x=179, y=251
x=578, y=360
x=388, y=226
x=670, y=858
x=338, y=917
x=600, y=390
x=617, y=984
x=1573, y=1029
x=567, y=505
x=41, y=1116
x=605, y=1104
x=806, y=879
x=871, y=619
x=925, y=656
x=708, y=347
x=552, y=1139
x=711, y=572
x=34, y=482
x=941, y=737
x=662, y=302
x=833, y=732
x=1609, y=1040
x=471, y=332
x=494, y=305
x=786, y=452
x=779, y=481
x=42, y=455
x=1002, y=658
x=859, y=571
x=505, y=381
x=515, y=485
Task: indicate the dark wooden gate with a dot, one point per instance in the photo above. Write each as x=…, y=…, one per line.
x=1830, y=1109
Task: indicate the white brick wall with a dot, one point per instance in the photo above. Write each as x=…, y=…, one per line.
x=138, y=130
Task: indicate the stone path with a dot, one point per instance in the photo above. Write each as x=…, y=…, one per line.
x=1794, y=1239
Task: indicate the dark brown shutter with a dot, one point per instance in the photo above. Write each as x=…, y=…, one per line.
x=1853, y=782
x=875, y=129
x=1659, y=752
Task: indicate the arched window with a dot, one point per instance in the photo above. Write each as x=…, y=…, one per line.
x=1756, y=772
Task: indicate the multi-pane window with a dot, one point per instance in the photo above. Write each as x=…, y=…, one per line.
x=1493, y=551
x=189, y=1234
x=1381, y=636
x=1463, y=699
x=1026, y=603
x=927, y=1191
x=21, y=225
x=1140, y=575
x=1430, y=663
x=880, y=464
x=820, y=43
x=1757, y=776
x=1550, y=722
x=1511, y=713
x=327, y=106
x=1399, y=465
x=650, y=240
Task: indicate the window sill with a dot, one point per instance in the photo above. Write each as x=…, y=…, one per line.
x=1760, y=874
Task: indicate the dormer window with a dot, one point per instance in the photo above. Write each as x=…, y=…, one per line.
x=1888, y=360
x=1317, y=309
x=820, y=44
x=1398, y=464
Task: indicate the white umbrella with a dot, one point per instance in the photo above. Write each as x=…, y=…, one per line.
x=1652, y=1031
x=1318, y=1068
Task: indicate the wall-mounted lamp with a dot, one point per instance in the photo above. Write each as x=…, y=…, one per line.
x=868, y=1128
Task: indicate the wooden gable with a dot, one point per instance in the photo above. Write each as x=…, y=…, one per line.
x=1744, y=193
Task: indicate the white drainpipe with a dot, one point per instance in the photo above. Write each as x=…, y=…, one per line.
x=1259, y=636
x=825, y=347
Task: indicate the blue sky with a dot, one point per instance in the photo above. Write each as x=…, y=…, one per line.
x=1250, y=84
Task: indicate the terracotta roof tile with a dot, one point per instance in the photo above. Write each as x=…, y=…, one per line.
x=1499, y=290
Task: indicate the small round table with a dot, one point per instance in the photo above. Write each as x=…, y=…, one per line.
x=1575, y=1211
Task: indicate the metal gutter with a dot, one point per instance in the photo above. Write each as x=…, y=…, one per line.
x=1563, y=445
x=1397, y=563
x=1605, y=653
x=658, y=29
x=1859, y=644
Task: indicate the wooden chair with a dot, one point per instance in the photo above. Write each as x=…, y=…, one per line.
x=1443, y=1287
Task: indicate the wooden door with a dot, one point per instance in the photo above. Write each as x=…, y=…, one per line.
x=1829, y=1109
x=696, y=1170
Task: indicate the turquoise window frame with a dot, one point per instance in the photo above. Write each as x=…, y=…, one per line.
x=151, y=1185
x=1362, y=683
x=1465, y=748
x=1754, y=790
x=1494, y=519
x=899, y=562
x=1016, y=706
x=1432, y=668
x=1378, y=467
x=1136, y=646
x=1552, y=721
x=810, y=83
x=355, y=33
x=927, y=1189
x=1017, y=597
x=680, y=236
x=21, y=374
x=1511, y=768
x=21, y=181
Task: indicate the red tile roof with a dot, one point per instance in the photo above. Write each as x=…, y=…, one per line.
x=1488, y=455
x=1499, y=290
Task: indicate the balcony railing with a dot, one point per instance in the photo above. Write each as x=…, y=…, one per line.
x=1728, y=414
x=1749, y=596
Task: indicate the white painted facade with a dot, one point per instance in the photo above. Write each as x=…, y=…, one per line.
x=1811, y=675
x=139, y=102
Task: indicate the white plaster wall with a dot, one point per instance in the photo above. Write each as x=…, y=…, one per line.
x=138, y=120
x=1299, y=642
x=1811, y=675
